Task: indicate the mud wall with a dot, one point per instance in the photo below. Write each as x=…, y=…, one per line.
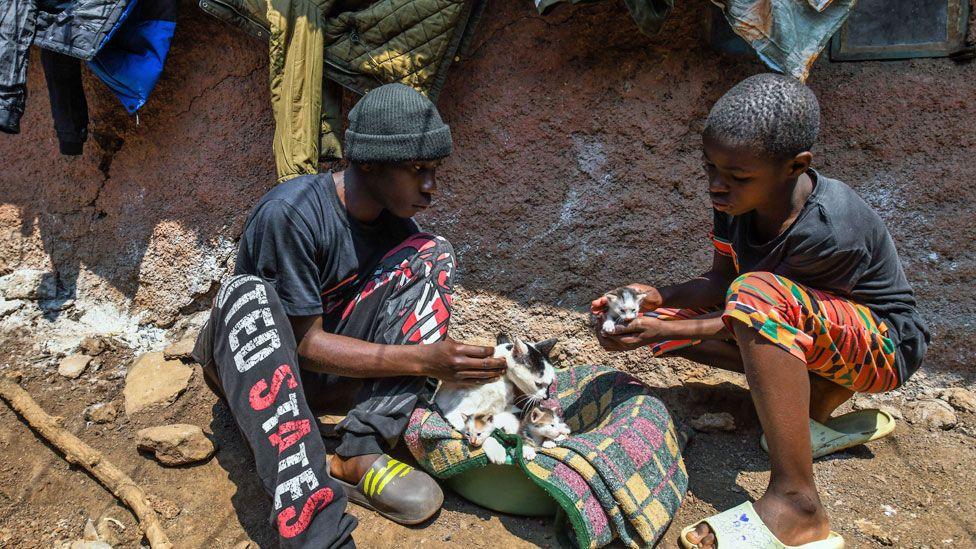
x=577, y=169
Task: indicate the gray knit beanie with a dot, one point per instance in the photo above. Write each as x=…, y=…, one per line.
x=396, y=123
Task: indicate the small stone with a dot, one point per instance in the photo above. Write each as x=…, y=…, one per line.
x=180, y=350
x=891, y=410
x=934, y=414
x=29, y=284
x=246, y=544
x=153, y=380
x=103, y=412
x=961, y=399
x=711, y=423
x=166, y=508
x=91, y=534
x=72, y=366
x=93, y=346
x=83, y=544
x=108, y=529
x=176, y=444
x=872, y=531
x=9, y=306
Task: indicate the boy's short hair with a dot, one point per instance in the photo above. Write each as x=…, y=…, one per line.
x=772, y=113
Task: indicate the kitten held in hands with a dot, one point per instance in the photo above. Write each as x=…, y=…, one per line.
x=623, y=305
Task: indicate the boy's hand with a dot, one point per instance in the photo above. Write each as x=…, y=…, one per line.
x=637, y=333
x=652, y=299
x=450, y=360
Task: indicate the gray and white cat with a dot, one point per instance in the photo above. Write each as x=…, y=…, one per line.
x=541, y=426
x=623, y=305
x=526, y=382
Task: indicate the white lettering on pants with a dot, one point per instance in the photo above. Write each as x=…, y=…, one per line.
x=294, y=487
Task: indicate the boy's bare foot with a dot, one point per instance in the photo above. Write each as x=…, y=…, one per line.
x=794, y=519
x=351, y=469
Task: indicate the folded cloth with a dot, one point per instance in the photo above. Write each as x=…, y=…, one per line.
x=619, y=475
x=788, y=35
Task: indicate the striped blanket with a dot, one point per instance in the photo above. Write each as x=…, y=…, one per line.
x=619, y=475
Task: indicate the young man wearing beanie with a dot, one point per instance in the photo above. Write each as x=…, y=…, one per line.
x=339, y=302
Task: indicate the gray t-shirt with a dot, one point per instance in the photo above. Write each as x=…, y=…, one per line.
x=301, y=239
x=838, y=244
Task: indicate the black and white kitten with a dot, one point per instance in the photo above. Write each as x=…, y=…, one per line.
x=623, y=305
x=525, y=383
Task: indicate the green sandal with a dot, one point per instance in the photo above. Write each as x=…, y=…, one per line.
x=846, y=431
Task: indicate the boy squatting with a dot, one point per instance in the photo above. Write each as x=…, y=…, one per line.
x=806, y=296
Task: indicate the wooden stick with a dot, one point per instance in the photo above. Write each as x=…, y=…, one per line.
x=77, y=452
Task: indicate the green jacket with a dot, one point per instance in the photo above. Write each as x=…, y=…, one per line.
x=357, y=44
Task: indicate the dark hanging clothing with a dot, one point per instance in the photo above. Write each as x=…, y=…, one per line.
x=69, y=108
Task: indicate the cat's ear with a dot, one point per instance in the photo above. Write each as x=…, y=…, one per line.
x=519, y=349
x=611, y=298
x=502, y=339
x=545, y=347
x=535, y=415
x=465, y=417
x=639, y=298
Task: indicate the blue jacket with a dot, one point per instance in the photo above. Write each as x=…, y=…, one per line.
x=124, y=41
x=132, y=60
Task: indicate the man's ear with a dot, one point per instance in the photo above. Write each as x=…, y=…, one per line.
x=800, y=163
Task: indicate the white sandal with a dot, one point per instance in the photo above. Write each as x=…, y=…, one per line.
x=741, y=528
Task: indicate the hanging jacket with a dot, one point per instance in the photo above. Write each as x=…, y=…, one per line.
x=649, y=15
x=77, y=28
x=125, y=43
x=132, y=60
x=354, y=43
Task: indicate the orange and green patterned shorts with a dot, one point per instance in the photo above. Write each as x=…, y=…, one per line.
x=838, y=339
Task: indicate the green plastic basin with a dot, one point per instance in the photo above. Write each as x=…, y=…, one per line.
x=505, y=489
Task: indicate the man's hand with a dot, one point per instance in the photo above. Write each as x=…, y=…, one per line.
x=651, y=301
x=637, y=333
x=449, y=360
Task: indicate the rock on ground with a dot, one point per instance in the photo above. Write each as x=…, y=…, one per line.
x=181, y=349
x=72, y=366
x=153, y=380
x=961, y=399
x=102, y=412
x=934, y=414
x=83, y=544
x=9, y=306
x=176, y=444
x=29, y=284
x=93, y=346
x=711, y=423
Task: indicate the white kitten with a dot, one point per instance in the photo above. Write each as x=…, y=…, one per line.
x=479, y=428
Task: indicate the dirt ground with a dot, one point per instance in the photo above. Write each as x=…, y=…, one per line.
x=914, y=489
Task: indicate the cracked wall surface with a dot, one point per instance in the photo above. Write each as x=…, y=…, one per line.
x=577, y=168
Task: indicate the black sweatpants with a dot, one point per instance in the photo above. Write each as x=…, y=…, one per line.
x=249, y=352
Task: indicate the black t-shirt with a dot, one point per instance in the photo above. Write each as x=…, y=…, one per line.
x=837, y=244
x=301, y=240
